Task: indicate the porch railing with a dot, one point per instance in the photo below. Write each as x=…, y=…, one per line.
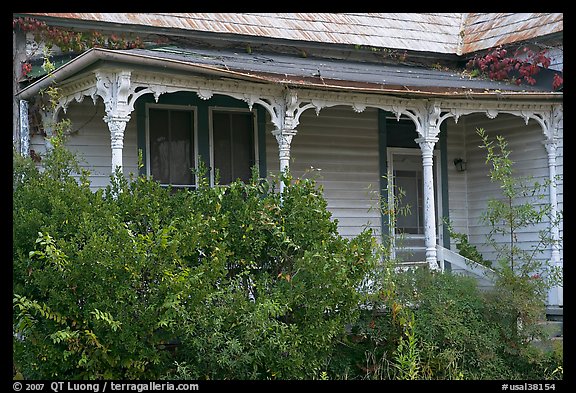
x=462, y=265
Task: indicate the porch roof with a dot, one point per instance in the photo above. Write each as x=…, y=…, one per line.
x=294, y=71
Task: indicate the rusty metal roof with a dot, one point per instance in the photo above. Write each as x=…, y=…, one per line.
x=446, y=33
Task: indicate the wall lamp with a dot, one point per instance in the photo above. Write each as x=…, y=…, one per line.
x=460, y=164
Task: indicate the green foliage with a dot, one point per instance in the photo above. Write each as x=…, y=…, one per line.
x=525, y=275
x=407, y=354
x=136, y=281
x=442, y=326
x=424, y=325
x=522, y=205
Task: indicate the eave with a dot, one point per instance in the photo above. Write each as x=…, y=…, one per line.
x=127, y=59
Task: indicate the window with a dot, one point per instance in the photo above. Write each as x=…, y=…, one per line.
x=171, y=139
x=177, y=136
x=233, y=144
x=410, y=182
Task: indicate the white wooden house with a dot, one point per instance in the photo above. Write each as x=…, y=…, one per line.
x=362, y=97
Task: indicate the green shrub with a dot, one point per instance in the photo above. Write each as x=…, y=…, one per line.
x=441, y=326
x=130, y=281
x=136, y=281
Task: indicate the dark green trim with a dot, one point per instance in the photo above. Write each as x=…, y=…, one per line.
x=261, y=124
x=383, y=165
x=57, y=61
x=203, y=136
x=402, y=133
x=202, y=122
x=443, y=181
x=140, y=109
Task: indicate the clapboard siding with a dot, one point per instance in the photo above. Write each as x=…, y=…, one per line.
x=560, y=181
x=343, y=144
x=37, y=144
x=91, y=141
x=530, y=159
x=457, y=185
x=556, y=55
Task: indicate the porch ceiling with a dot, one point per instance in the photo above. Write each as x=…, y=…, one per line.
x=319, y=74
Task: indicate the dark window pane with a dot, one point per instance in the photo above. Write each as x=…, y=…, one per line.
x=221, y=135
x=159, y=145
x=233, y=138
x=171, y=145
x=181, y=147
x=243, y=145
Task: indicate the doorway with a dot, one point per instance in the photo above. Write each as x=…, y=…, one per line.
x=406, y=177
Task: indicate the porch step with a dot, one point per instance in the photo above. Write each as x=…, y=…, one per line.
x=554, y=313
x=412, y=263
x=404, y=265
x=554, y=331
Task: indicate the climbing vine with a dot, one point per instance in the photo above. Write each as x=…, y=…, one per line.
x=521, y=65
x=71, y=41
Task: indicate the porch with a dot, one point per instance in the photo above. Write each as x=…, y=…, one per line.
x=356, y=137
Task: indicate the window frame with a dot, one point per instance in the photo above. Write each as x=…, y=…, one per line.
x=227, y=109
x=188, y=108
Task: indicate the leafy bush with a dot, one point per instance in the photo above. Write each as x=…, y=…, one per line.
x=522, y=204
x=136, y=280
x=428, y=325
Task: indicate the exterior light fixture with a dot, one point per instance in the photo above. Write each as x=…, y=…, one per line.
x=460, y=164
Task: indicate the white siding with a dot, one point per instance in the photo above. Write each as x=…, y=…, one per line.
x=38, y=144
x=344, y=145
x=91, y=140
x=556, y=55
x=530, y=159
x=457, y=181
x=560, y=182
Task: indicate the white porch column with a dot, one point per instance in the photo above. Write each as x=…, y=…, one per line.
x=115, y=90
x=551, y=123
x=285, y=116
x=555, y=295
x=551, y=146
x=284, y=139
x=427, y=117
x=427, y=148
x=23, y=143
x=49, y=121
x=116, y=125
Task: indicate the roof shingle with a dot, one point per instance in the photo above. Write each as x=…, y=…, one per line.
x=446, y=33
